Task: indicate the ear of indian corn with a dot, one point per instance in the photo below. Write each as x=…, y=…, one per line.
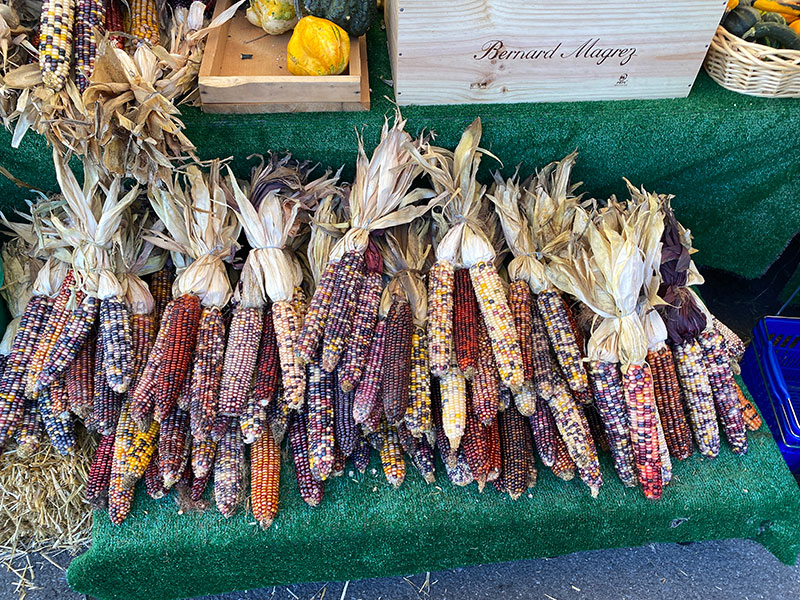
x=407, y=441
x=161, y=281
x=397, y=362
x=59, y=403
x=544, y=431
x=241, y=356
x=265, y=470
x=734, y=346
x=173, y=446
x=28, y=434
x=139, y=454
x=350, y=275
x=418, y=414
x=339, y=461
x=525, y=400
x=253, y=421
x=663, y=450
x=96, y=493
x=442, y=443
x=723, y=387
x=287, y=327
x=459, y=472
x=476, y=449
x=466, y=316
x=114, y=24
x=115, y=329
x=80, y=380
x=361, y=454
x=320, y=402
x=570, y=422
x=107, y=404
x=500, y=323
x=668, y=401
x=310, y=489
x=366, y=316
x=267, y=376
x=562, y=339
x=345, y=427
x=520, y=301
x=752, y=419
x=424, y=461
x=394, y=465
x=278, y=414
x=60, y=428
x=143, y=336
x=514, y=449
x=143, y=397
x=491, y=433
x=441, y=283
x=153, y=481
x=369, y=388
x=120, y=497
x=55, y=42
x=596, y=427
x=453, y=389
x=229, y=471
x=203, y=453
x=88, y=15
x=609, y=398
x=486, y=383
x=503, y=399
x=541, y=355
x=589, y=472
x=199, y=485
x=207, y=374
x=308, y=343
x=144, y=21
x=698, y=396
x=639, y=397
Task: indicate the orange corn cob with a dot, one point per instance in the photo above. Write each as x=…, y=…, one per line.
x=394, y=465
x=265, y=470
x=466, y=319
x=752, y=419
x=139, y=454
x=120, y=497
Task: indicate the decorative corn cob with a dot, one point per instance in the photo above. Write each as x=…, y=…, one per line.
x=59, y=403
x=596, y=427
x=394, y=465
x=476, y=449
x=562, y=338
x=96, y=493
x=503, y=399
x=491, y=433
x=29, y=431
x=320, y=402
x=12, y=385
x=541, y=356
x=497, y=316
x=723, y=386
x=241, y=356
x=525, y=400
x=459, y=472
x=639, y=397
x=424, y=461
x=203, y=453
x=397, y=363
x=287, y=327
x=520, y=301
x=345, y=426
x=545, y=433
x=609, y=398
x=350, y=276
x=139, y=454
x=253, y=421
x=418, y=415
x=453, y=388
x=114, y=22
x=698, y=396
x=265, y=471
x=310, y=338
x=514, y=445
x=55, y=42
x=663, y=451
x=119, y=496
x=268, y=375
x=115, y=330
x=173, y=446
x=107, y=404
x=153, y=481
x=60, y=428
x=88, y=15
x=752, y=419
x=207, y=373
x=143, y=398
x=179, y=331
x=734, y=346
x=570, y=421
x=364, y=321
x=407, y=441
x=143, y=336
x=144, y=21
x=199, y=485
x=486, y=383
x=310, y=489
x=466, y=316
x=564, y=466
x=229, y=471
x=278, y=414
x=80, y=380
x=373, y=421
x=668, y=401
x=441, y=283
x=339, y=462
x=361, y=454
x=369, y=389
x=162, y=280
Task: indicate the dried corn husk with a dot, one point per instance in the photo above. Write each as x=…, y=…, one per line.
x=405, y=251
x=20, y=271
x=137, y=259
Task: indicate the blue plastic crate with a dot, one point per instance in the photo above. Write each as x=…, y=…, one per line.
x=771, y=371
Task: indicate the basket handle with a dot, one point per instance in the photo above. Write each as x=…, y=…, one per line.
x=789, y=301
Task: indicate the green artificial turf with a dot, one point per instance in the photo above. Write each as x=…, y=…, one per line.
x=731, y=160
x=363, y=528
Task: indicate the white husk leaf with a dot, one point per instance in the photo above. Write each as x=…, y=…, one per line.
x=405, y=252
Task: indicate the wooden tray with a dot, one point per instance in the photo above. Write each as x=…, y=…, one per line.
x=244, y=71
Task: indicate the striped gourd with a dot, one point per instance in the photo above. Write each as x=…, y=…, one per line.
x=424, y=461
x=396, y=375
x=562, y=339
x=668, y=400
x=115, y=329
x=253, y=421
x=697, y=395
x=486, y=383
x=310, y=489
x=392, y=461
x=609, y=396
x=144, y=21
x=229, y=471
x=466, y=316
x=350, y=276
x=366, y=316
x=637, y=383
x=268, y=374
x=369, y=389
x=320, y=402
x=96, y=492
x=723, y=386
x=139, y=454
x=265, y=471
x=28, y=433
x=89, y=14
x=520, y=301
x=80, y=380
x=203, y=454
x=60, y=428
x=418, y=415
x=207, y=373
x=173, y=446
x=476, y=449
x=545, y=433
x=441, y=283
x=752, y=419
x=55, y=41
x=345, y=427
x=241, y=356
x=316, y=316
x=107, y=404
x=514, y=446
x=287, y=324
x=497, y=316
x=453, y=389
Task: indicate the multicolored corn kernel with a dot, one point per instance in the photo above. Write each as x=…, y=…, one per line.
x=120, y=497
x=752, y=420
x=339, y=461
x=310, y=489
x=418, y=414
x=476, y=447
x=486, y=383
x=350, y=274
x=143, y=336
x=241, y=356
x=28, y=433
x=107, y=404
x=734, y=346
x=320, y=399
x=144, y=21
x=79, y=380
x=345, y=426
x=562, y=339
x=153, y=481
x=55, y=42
x=96, y=493
x=143, y=398
x=173, y=446
x=698, y=396
x=545, y=433
x=723, y=386
x=351, y=369
x=268, y=369
x=199, y=485
x=229, y=471
x=563, y=466
x=138, y=454
x=407, y=441
x=207, y=374
x=203, y=454
x=453, y=388
x=265, y=471
x=571, y=424
x=60, y=427
x=500, y=323
x=369, y=389
x=59, y=402
x=287, y=327
x=308, y=343
x=520, y=301
x=609, y=398
x=637, y=383
x=668, y=400
x=361, y=454
x=458, y=471
x=491, y=433
x=162, y=280
x=278, y=414
x=514, y=444
x=253, y=421
x=441, y=284
x=394, y=465
x=596, y=427
x=424, y=461
x=466, y=319
x=396, y=378
x=115, y=329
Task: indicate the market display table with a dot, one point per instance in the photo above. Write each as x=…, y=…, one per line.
x=364, y=528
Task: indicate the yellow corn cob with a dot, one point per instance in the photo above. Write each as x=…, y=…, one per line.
x=120, y=497
x=55, y=42
x=144, y=21
x=265, y=470
x=394, y=465
x=440, y=316
x=418, y=415
x=454, y=406
x=139, y=454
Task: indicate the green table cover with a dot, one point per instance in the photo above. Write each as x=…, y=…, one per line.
x=730, y=159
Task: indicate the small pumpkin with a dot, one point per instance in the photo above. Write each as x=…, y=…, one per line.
x=354, y=16
x=273, y=16
x=318, y=47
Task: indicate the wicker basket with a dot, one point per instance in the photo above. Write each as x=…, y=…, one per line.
x=751, y=68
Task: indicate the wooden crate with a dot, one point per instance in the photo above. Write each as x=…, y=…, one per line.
x=537, y=50
x=232, y=83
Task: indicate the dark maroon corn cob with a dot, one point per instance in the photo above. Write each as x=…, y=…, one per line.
x=174, y=446
x=344, y=424
x=466, y=316
x=670, y=406
x=361, y=454
x=154, y=483
x=100, y=473
x=545, y=433
x=207, y=373
x=268, y=374
x=199, y=485
x=424, y=460
x=491, y=433
x=514, y=448
x=396, y=377
x=339, y=461
x=350, y=272
x=311, y=490
x=476, y=449
x=107, y=404
x=80, y=380
x=320, y=398
x=369, y=389
x=278, y=414
x=357, y=354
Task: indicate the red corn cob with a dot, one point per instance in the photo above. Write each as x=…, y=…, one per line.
x=320, y=402
x=369, y=389
x=466, y=316
x=314, y=323
x=100, y=473
x=80, y=380
x=310, y=489
x=396, y=376
x=241, y=356
x=486, y=384
x=752, y=419
x=107, y=404
x=476, y=449
x=114, y=24
x=564, y=466
x=366, y=316
x=144, y=394
x=520, y=301
x=207, y=373
x=639, y=397
x=344, y=424
x=545, y=433
x=668, y=400
x=173, y=446
x=514, y=449
x=265, y=470
x=424, y=461
x=350, y=273
x=268, y=375
x=154, y=482
x=491, y=433
x=229, y=471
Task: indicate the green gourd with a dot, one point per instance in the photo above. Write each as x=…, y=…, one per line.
x=354, y=16
x=776, y=33
x=740, y=19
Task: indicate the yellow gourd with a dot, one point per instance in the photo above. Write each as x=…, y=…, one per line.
x=273, y=16
x=318, y=47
